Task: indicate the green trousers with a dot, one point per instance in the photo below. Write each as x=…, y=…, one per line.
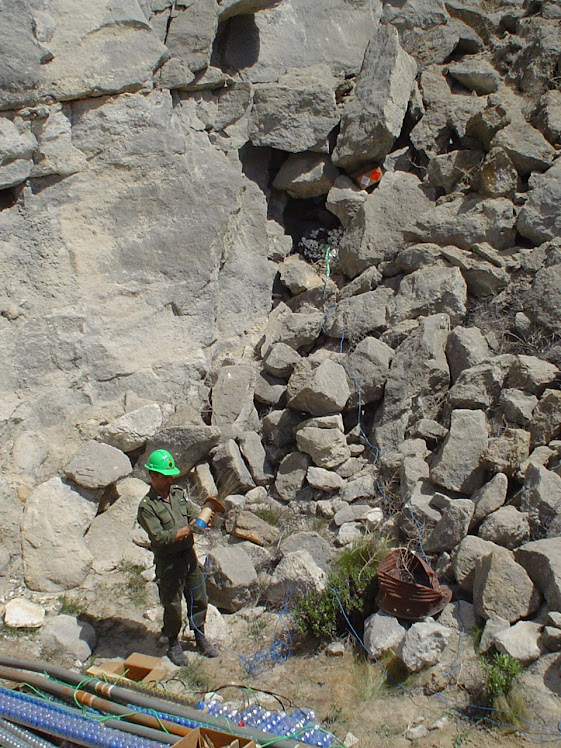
x=181, y=577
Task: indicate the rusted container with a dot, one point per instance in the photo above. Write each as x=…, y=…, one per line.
x=409, y=588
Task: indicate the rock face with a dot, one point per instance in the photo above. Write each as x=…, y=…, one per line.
x=313, y=250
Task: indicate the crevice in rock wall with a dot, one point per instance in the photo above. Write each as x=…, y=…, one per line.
x=9, y=197
x=236, y=45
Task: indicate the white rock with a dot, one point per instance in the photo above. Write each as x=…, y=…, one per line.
x=21, y=613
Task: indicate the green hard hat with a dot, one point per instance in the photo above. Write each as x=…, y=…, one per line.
x=160, y=461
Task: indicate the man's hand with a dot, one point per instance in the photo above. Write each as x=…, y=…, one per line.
x=183, y=532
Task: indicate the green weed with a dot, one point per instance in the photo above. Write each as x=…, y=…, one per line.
x=135, y=586
x=69, y=607
x=194, y=676
x=351, y=588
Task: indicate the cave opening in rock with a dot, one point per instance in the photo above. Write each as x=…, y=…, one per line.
x=9, y=197
x=311, y=226
x=236, y=45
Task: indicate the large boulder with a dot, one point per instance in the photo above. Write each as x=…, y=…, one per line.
x=296, y=574
x=542, y=561
x=320, y=391
x=232, y=580
x=131, y=430
x=503, y=588
x=67, y=639
x=98, y=465
x=539, y=219
x=188, y=444
x=458, y=465
x=430, y=290
x=376, y=231
x=55, y=554
x=233, y=411
x=374, y=114
x=296, y=113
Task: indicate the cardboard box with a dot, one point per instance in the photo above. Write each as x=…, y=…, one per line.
x=204, y=737
x=367, y=176
x=138, y=667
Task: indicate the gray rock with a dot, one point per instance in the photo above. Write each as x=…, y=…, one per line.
x=281, y=360
x=490, y=497
x=477, y=75
x=493, y=626
x=465, y=221
x=546, y=418
x=321, y=391
x=506, y=453
x=460, y=616
x=541, y=498
x=418, y=374
x=298, y=275
x=291, y=475
x=497, y=176
x=423, y=644
x=118, y=52
x=67, y=639
x=506, y=527
x=531, y=374
x=464, y=561
x=518, y=406
x=190, y=32
x=324, y=480
x=466, y=347
x=326, y=446
x=382, y=632
x=374, y=114
x=297, y=573
x=349, y=533
x=351, y=513
x=456, y=168
x=254, y=454
x=501, y=587
x=306, y=175
x=420, y=512
x=415, y=14
x=540, y=684
x=368, y=366
x=109, y=536
x=376, y=232
x=318, y=548
x=458, y=463
x=542, y=561
x=344, y=199
x=229, y=8
x=520, y=641
x=480, y=385
x=485, y=124
x=55, y=154
x=293, y=35
x=548, y=116
x=526, y=147
x=359, y=488
x=248, y=526
x=230, y=467
x=359, y=315
x=188, y=444
x=431, y=290
x=98, y=465
x=551, y=638
x=482, y=278
x=300, y=329
x=452, y=527
x=232, y=580
x=417, y=256
x=268, y=390
x=233, y=411
x=538, y=219
x=130, y=431
x=297, y=112
x=279, y=427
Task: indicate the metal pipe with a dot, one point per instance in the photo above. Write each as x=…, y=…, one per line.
x=95, y=702
x=28, y=737
x=149, y=702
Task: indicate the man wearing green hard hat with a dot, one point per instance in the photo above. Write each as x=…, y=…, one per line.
x=167, y=515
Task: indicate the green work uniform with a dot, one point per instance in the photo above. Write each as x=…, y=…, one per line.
x=177, y=570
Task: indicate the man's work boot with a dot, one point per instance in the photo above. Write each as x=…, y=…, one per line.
x=176, y=654
x=204, y=646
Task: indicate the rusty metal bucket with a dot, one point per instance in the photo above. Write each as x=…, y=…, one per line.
x=409, y=588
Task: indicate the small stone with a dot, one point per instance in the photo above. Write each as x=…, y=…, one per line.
x=335, y=649
x=21, y=613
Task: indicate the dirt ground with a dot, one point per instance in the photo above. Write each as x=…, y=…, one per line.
x=348, y=693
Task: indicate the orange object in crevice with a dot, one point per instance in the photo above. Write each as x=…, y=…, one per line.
x=368, y=177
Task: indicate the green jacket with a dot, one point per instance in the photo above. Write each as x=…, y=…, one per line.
x=162, y=519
